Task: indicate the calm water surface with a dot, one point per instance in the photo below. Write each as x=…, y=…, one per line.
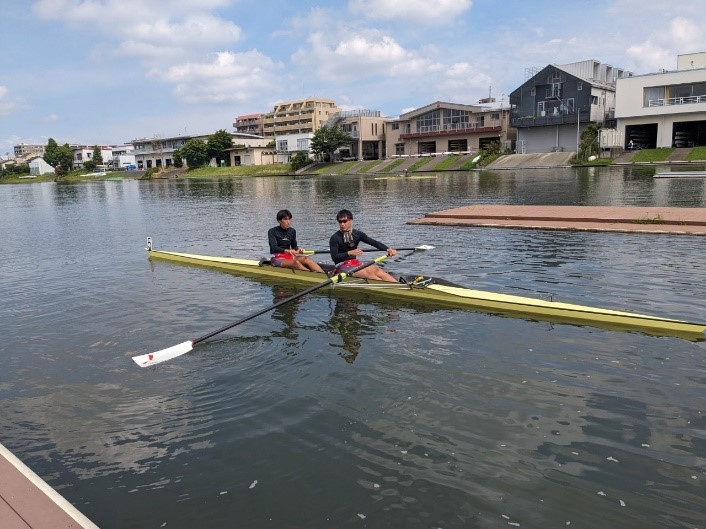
x=343, y=411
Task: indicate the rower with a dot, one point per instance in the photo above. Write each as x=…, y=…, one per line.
x=284, y=248
x=344, y=249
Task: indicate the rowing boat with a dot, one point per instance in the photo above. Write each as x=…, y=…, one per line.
x=436, y=290
x=680, y=174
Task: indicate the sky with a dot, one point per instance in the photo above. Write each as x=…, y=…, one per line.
x=110, y=71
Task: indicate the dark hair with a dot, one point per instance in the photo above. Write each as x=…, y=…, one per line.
x=344, y=214
x=284, y=214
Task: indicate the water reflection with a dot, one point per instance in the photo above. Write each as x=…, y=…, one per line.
x=434, y=418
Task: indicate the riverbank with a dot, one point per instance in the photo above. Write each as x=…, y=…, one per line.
x=402, y=166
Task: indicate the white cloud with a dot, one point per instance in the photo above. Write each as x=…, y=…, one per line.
x=661, y=48
x=7, y=106
x=427, y=11
x=116, y=12
x=229, y=77
x=362, y=55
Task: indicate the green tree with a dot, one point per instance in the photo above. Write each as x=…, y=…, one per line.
x=177, y=158
x=65, y=157
x=97, y=155
x=327, y=139
x=589, y=142
x=50, y=152
x=218, y=143
x=195, y=152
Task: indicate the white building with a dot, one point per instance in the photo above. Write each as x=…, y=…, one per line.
x=38, y=167
x=664, y=109
x=123, y=156
x=83, y=153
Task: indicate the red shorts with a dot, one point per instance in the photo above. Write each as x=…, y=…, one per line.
x=348, y=265
x=277, y=258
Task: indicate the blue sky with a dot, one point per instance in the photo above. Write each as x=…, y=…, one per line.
x=109, y=71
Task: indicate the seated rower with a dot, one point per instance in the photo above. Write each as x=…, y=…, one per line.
x=345, y=252
x=283, y=246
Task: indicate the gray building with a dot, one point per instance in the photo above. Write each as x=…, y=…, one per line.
x=557, y=102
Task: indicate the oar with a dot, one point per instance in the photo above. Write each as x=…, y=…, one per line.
x=421, y=248
x=163, y=355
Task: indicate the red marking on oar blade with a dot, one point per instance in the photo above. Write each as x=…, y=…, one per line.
x=150, y=356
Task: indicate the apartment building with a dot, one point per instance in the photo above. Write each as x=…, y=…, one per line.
x=447, y=127
x=24, y=150
x=666, y=108
x=249, y=124
x=300, y=116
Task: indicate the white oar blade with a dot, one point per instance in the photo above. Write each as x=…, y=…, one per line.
x=425, y=247
x=158, y=357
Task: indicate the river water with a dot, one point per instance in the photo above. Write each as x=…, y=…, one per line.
x=346, y=411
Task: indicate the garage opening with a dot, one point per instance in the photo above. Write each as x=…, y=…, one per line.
x=689, y=134
x=427, y=147
x=458, y=145
x=641, y=136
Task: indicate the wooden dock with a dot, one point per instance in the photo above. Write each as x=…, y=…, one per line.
x=27, y=502
x=682, y=221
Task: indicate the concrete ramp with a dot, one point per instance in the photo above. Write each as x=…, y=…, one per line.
x=536, y=160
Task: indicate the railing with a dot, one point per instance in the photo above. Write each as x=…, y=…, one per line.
x=426, y=132
x=676, y=101
x=543, y=121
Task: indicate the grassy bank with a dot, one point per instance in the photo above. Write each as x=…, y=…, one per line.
x=238, y=170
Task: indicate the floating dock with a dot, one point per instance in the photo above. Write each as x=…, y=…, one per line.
x=27, y=502
x=681, y=221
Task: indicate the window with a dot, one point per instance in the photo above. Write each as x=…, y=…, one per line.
x=579, y=86
x=303, y=144
x=455, y=119
x=429, y=122
x=282, y=146
x=533, y=91
x=395, y=126
x=399, y=148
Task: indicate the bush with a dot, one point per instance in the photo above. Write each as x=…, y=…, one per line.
x=298, y=161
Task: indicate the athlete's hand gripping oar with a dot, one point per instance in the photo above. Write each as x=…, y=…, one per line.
x=163, y=355
x=421, y=248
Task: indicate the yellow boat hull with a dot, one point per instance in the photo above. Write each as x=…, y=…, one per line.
x=457, y=296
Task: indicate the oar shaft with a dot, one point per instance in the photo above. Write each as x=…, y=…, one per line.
x=312, y=252
x=335, y=279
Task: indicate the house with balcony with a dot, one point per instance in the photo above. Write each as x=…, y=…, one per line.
x=447, y=128
x=84, y=153
x=158, y=152
x=367, y=131
x=556, y=103
x=664, y=109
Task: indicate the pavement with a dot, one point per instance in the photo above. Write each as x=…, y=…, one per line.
x=681, y=221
